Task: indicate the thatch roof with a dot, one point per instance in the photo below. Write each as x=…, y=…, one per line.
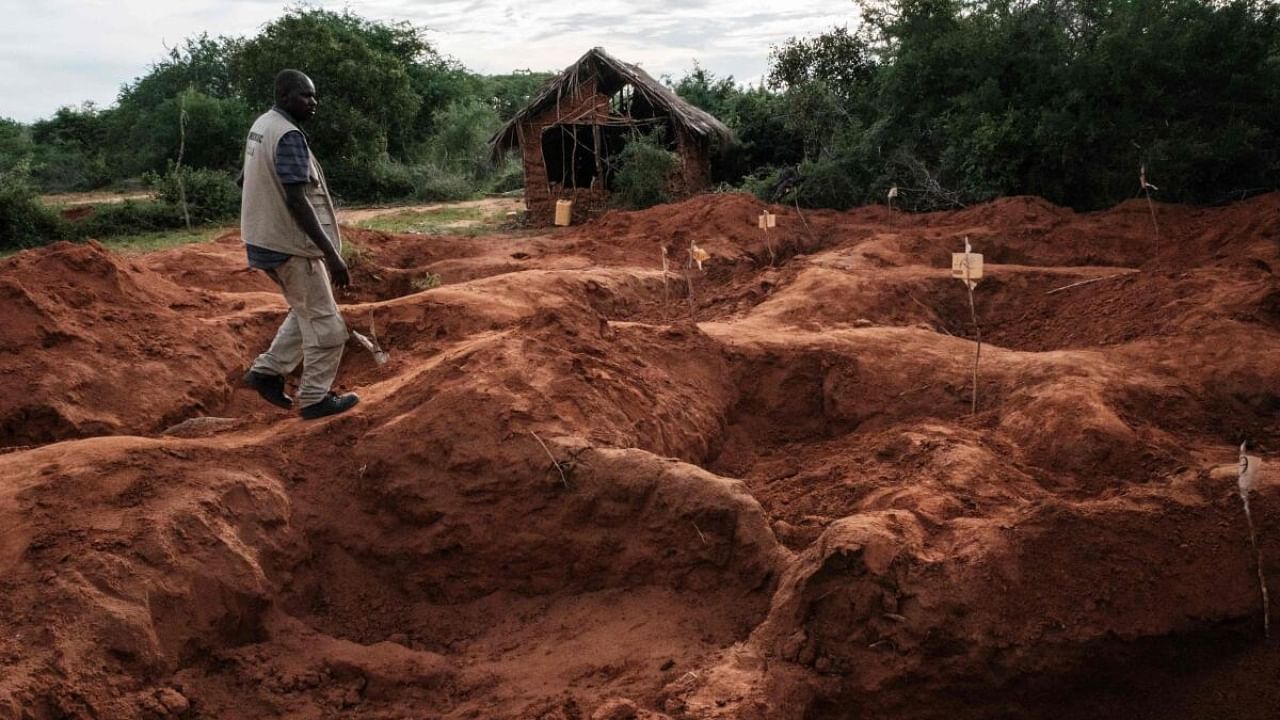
x=613, y=74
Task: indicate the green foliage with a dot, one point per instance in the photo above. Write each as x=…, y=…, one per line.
x=433, y=183
x=161, y=239
x=643, y=168
x=15, y=144
x=368, y=104
x=426, y=282
x=508, y=94
x=396, y=119
x=210, y=195
x=24, y=221
x=210, y=135
x=757, y=117
x=352, y=254
x=958, y=101
x=68, y=149
x=509, y=177
x=128, y=218
x=460, y=142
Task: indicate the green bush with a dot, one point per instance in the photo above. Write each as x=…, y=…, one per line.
x=24, y=221
x=67, y=168
x=128, y=218
x=762, y=182
x=643, y=168
x=211, y=195
x=432, y=183
x=509, y=177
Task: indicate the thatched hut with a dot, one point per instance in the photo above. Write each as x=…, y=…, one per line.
x=573, y=129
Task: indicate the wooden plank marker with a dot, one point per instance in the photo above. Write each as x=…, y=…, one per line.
x=765, y=221
x=967, y=266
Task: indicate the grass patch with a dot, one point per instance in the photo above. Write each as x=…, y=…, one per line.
x=162, y=239
x=438, y=221
x=426, y=282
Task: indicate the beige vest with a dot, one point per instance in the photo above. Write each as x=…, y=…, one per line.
x=265, y=220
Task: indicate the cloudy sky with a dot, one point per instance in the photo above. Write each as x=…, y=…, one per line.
x=64, y=52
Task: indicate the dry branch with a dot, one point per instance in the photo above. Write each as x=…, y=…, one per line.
x=1090, y=281
x=563, y=478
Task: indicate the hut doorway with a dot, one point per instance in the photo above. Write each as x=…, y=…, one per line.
x=581, y=156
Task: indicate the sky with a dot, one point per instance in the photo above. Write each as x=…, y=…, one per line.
x=66, y=52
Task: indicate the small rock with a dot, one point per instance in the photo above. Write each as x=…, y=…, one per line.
x=173, y=701
x=667, y=665
x=399, y=639
x=783, y=530
x=862, y=322
x=823, y=664
x=200, y=427
x=791, y=648
x=616, y=709
x=351, y=698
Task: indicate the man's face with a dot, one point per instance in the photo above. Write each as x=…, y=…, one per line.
x=301, y=101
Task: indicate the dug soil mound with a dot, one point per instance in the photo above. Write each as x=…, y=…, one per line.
x=762, y=487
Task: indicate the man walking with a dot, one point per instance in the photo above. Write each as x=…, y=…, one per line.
x=290, y=230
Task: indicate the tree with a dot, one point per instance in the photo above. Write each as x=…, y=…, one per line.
x=962, y=100
x=508, y=94
x=15, y=144
x=757, y=117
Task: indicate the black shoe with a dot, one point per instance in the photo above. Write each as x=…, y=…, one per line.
x=270, y=387
x=332, y=404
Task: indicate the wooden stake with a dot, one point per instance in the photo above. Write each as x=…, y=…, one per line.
x=973, y=314
x=1247, y=478
x=666, y=286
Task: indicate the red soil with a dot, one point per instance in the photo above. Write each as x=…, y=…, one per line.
x=780, y=509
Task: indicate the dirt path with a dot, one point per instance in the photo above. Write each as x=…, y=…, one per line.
x=577, y=492
x=76, y=199
x=490, y=206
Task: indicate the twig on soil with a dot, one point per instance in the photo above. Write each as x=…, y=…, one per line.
x=555, y=462
x=1090, y=281
x=701, y=537
x=904, y=393
x=803, y=221
x=666, y=286
x=924, y=307
x=1147, y=188
x=1248, y=476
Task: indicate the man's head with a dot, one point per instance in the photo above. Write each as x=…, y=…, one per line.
x=296, y=94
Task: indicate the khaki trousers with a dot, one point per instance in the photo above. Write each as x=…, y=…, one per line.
x=313, y=332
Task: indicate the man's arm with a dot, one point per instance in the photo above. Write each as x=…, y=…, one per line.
x=295, y=198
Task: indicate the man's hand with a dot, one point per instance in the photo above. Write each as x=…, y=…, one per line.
x=338, y=272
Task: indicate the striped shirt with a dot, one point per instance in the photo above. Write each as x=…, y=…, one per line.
x=293, y=159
